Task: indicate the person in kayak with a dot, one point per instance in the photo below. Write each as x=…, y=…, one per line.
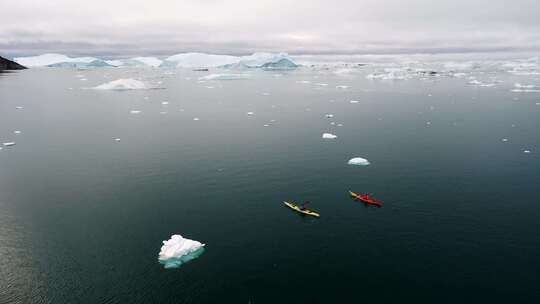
x=303, y=206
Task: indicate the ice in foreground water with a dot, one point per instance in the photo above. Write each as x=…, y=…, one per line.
x=178, y=250
x=329, y=136
x=358, y=161
x=122, y=85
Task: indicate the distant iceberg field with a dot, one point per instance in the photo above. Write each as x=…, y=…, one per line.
x=271, y=61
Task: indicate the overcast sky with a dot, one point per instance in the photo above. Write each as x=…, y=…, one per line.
x=163, y=27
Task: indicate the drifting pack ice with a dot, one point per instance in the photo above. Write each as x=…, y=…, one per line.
x=178, y=250
x=358, y=161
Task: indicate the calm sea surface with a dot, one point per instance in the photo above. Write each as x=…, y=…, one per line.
x=83, y=217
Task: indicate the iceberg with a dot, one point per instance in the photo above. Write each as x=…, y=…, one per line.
x=199, y=60
x=268, y=61
x=123, y=85
x=149, y=61
x=51, y=60
x=329, y=136
x=178, y=250
x=358, y=161
x=136, y=62
x=223, y=77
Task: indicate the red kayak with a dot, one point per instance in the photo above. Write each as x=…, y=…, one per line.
x=366, y=199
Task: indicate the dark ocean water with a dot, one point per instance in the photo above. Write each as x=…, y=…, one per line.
x=82, y=217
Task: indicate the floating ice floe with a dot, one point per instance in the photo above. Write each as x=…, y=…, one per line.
x=224, y=77
x=196, y=118
x=19, y=108
x=354, y=101
x=526, y=151
x=322, y=84
x=526, y=91
x=505, y=139
x=165, y=103
x=134, y=112
x=329, y=136
x=329, y=115
x=123, y=85
x=178, y=250
x=358, y=161
x=478, y=83
x=250, y=113
x=9, y=144
x=17, y=132
x=342, y=87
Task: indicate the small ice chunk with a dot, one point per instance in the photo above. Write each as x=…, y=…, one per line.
x=358, y=161
x=9, y=144
x=196, y=118
x=250, y=113
x=134, y=112
x=303, y=81
x=19, y=108
x=266, y=94
x=524, y=151
x=342, y=87
x=354, y=101
x=322, y=84
x=17, y=132
x=329, y=115
x=178, y=250
x=340, y=125
x=117, y=139
x=162, y=112
x=505, y=139
x=329, y=136
x=266, y=125
x=165, y=103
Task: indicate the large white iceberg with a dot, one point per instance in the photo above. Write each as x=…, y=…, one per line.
x=136, y=62
x=178, y=250
x=256, y=60
x=122, y=85
x=199, y=60
x=358, y=161
x=53, y=59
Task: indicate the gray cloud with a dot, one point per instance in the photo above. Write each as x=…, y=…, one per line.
x=162, y=27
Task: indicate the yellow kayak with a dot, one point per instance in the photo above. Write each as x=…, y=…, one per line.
x=305, y=211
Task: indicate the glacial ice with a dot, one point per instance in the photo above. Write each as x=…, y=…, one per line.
x=329, y=136
x=52, y=59
x=198, y=60
x=358, y=161
x=223, y=77
x=149, y=61
x=178, y=250
x=123, y=85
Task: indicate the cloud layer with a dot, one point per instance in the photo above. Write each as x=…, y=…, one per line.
x=161, y=27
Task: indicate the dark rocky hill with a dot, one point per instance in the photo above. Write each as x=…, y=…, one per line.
x=6, y=64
